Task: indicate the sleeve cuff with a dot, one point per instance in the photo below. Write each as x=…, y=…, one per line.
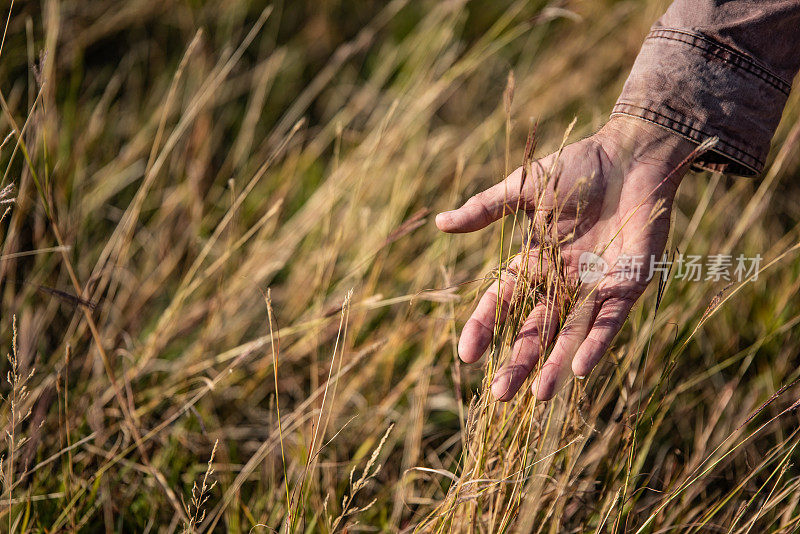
x=699, y=88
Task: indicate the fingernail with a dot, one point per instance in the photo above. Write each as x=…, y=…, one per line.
x=580, y=377
x=535, y=386
x=499, y=386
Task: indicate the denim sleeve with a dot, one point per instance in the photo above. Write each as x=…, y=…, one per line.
x=718, y=68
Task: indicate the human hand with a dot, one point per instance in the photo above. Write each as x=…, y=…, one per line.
x=611, y=195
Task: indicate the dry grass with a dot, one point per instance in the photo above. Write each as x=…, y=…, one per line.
x=211, y=205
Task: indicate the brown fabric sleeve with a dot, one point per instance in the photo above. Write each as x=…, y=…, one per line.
x=718, y=68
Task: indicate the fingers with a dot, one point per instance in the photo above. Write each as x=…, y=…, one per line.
x=486, y=207
x=555, y=370
x=536, y=333
x=581, y=343
x=606, y=325
x=479, y=328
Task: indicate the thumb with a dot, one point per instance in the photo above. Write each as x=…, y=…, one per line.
x=484, y=208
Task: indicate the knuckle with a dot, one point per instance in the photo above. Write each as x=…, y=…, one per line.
x=480, y=206
x=480, y=323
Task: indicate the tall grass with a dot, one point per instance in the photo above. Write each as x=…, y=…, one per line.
x=169, y=165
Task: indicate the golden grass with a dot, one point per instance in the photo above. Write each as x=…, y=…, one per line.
x=206, y=206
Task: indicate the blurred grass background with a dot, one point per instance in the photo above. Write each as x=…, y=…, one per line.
x=184, y=158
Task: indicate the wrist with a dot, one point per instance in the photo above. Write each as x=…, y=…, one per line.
x=631, y=143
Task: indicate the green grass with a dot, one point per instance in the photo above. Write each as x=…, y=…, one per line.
x=191, y=157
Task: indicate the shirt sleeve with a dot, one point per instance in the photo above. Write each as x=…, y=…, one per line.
x=718, y=68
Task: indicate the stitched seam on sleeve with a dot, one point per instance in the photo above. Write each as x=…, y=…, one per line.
x=724, y=53
x=724, y=148
x=701, y=136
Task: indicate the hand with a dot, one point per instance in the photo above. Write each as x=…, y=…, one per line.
x=610, y=194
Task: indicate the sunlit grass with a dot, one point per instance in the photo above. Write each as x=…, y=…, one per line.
x=200, y=207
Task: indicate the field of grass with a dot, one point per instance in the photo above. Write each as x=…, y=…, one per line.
x=226, y=306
